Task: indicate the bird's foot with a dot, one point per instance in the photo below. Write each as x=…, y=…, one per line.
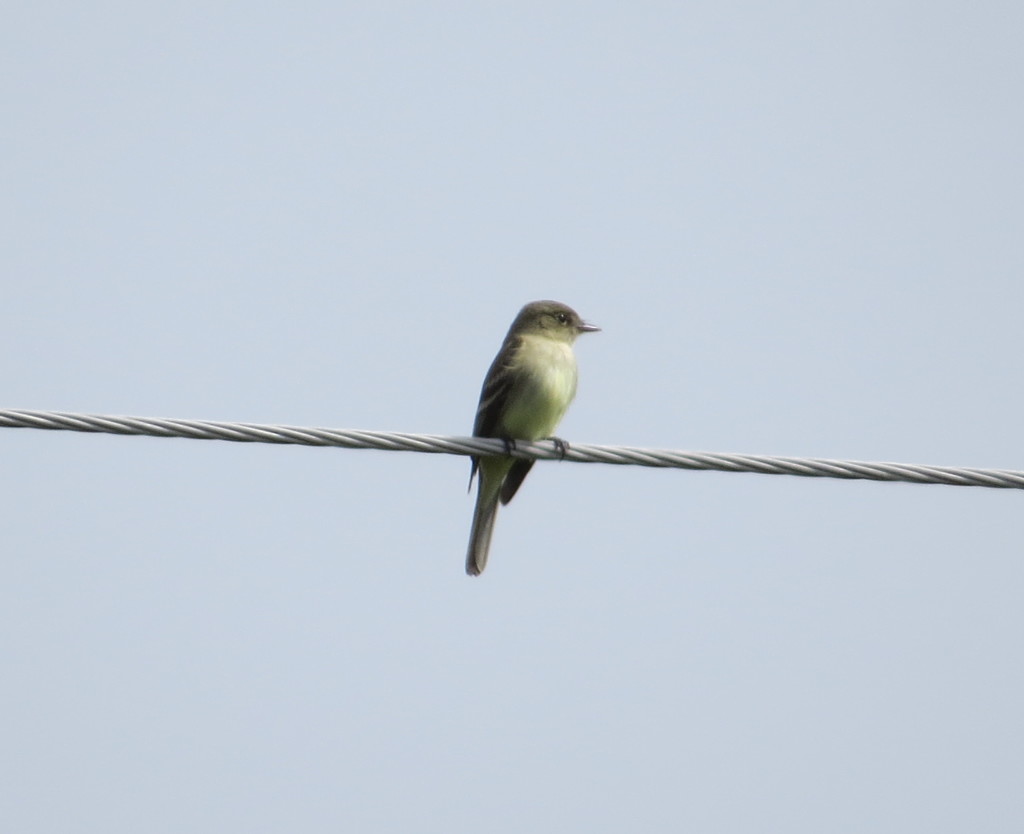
x=560, y=446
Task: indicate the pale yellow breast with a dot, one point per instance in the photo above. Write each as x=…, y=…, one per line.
x=546, y=369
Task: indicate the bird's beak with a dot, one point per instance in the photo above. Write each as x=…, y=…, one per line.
x=584, y=327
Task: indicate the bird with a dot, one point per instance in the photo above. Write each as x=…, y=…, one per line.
x=528, y=388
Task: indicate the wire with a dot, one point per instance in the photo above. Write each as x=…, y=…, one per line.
x=542, y=450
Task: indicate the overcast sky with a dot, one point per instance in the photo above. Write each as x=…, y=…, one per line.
x=801, y=228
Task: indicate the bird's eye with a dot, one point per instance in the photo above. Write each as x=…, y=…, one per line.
x=562, y=318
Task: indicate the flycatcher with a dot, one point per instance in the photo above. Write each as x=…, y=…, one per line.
x=525, y=393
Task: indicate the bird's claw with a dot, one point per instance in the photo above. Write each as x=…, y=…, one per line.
x=560, y=446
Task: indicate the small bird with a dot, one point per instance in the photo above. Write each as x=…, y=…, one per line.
x=525, y=393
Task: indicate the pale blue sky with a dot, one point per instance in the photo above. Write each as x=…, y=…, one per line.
x=800, y=227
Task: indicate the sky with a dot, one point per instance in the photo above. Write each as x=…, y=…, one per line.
x=799, y=226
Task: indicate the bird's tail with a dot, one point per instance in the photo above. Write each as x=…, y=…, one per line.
x=483, y=525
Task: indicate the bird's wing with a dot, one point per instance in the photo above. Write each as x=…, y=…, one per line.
x=494, y=395
x=520, y=469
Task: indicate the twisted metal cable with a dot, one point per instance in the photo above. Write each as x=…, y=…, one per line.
x=543, y=450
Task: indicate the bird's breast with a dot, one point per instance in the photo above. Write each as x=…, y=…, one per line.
x=545, y=372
